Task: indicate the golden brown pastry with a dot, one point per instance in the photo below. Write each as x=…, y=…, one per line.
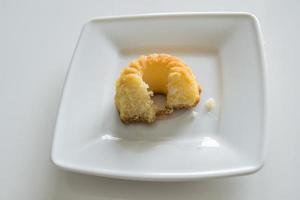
x=155, y=73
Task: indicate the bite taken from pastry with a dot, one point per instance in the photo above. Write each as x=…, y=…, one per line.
x=155, y=74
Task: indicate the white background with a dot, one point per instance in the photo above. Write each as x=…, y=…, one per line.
x=36, y=43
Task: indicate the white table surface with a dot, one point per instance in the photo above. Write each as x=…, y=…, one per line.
x=36, y=43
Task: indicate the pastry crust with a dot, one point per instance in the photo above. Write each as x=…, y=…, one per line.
x=149, y=75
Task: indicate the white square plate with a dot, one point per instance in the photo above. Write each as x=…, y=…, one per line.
x=224, y=51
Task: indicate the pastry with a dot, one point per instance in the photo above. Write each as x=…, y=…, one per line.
x=155, y=74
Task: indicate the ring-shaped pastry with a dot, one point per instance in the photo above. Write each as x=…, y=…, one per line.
x=155, y=74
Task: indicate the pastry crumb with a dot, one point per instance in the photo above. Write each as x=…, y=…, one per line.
x=210, y=104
